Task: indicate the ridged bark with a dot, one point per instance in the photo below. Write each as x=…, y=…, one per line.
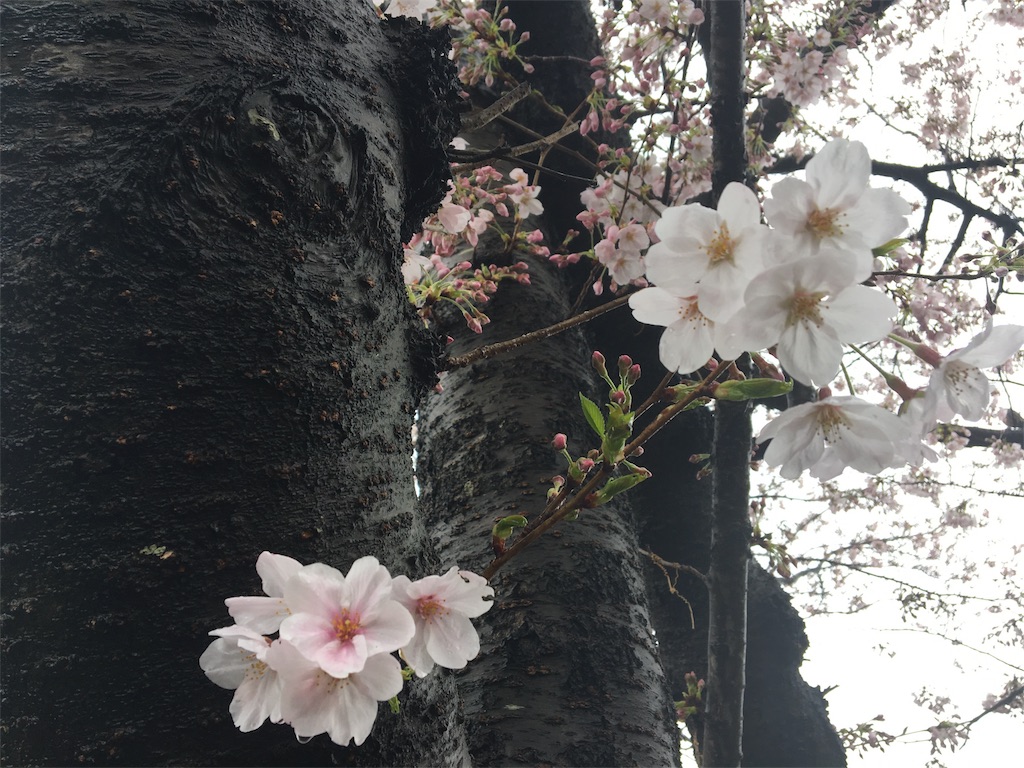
x=207, y=353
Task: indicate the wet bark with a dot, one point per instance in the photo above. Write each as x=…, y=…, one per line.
x=207, y=353
x=568, y=674
x=730, y=451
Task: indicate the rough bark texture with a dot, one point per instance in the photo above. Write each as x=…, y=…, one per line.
x=207, y=352
x=568, y=674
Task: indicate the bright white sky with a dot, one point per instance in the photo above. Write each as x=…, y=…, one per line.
x=877, y=664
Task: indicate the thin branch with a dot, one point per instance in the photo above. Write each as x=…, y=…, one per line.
x=491, y=350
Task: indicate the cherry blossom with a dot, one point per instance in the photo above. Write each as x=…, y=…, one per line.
x=835, y=207
x=442, y=606
x=313, y=702
x=809, y=309
x=340, y=621
x=265, y=614
x=237, y=660
x=412, y=8
x=832, y=434
x=721, y=250
x=687, y=343
x=958, y=384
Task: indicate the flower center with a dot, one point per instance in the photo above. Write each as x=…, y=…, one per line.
x=832, y=421
x=822, y=223
x=722, y=246
x=805, y=307
x=428, y=607
x=346, y=626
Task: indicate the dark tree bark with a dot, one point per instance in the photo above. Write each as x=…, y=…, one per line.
x=207, y=353
x=568, y=674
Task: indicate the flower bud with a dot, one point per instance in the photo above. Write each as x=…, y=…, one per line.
x=624, y=362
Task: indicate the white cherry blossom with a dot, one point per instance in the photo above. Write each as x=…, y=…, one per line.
x=719, y=249
x=688, y=342
x=442, y=607
x=808, y=310
x=835, y=207
x=832, y=434
x=345, y=708
x=958, y=385
x=265, y=614
x=237, y=660
x=340, y=621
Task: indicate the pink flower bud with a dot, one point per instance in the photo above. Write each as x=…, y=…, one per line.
x=624, y=362
x=559, y=442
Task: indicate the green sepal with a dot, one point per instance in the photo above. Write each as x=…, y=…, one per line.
x=504, y=527
x=751, y=389
x=617, y=485
x=886, y=248
x=617, y=432
x=592, y=414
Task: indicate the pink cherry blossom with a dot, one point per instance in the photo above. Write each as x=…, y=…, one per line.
x=442, y=606
x=265, y=614
x=315, y=702
x=237, y=660
x=809, y=310
x=340, y=621
x=832, y=434
x=835, y=207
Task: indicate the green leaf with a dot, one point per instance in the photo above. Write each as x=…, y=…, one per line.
x=504, y=527
x=592, y=414
x=752, y=389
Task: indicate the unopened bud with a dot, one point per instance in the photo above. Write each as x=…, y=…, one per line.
x=559, y=442
x=624, y=362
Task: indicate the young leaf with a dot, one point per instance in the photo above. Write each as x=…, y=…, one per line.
x=592, y=414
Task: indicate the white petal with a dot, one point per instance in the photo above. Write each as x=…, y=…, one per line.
x=686, y=346
x=739, y=208
x=656, y=306
x=993, y=346
x=860, y=314
x=809, y=353
x=275, y=570
x=839, y=173
x=452, y=641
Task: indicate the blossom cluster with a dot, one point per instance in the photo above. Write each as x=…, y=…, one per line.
x=331, y=661
x=725, y=283
x=474, y=203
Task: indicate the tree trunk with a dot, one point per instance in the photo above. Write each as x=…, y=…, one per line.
x=207, y=353
x=569, y=673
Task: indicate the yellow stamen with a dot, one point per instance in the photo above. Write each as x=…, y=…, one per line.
x=822, y=223
x=722, y=246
